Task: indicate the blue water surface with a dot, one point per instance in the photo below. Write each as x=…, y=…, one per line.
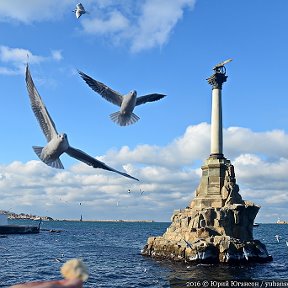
x=112, y=253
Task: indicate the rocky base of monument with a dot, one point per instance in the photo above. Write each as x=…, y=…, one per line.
x=213, y=250
x=202, y=236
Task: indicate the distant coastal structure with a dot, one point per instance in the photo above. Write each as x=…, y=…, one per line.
x=23, y=216
x=6, y=228
x=107, y=221
x=217, y=226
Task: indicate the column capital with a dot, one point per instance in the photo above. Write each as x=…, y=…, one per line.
x=216, y=80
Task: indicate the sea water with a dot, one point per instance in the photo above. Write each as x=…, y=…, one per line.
x=111, y=250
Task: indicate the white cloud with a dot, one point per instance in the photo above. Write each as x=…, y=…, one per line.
x=18, y=55
x=34, y=10
x=114, y=22
x=192, y=146
x=149, y=24
x=271, y=143
x=157, y=21
x=168, y=176
x=142, y=24
x=15, y=59
x=57, y=55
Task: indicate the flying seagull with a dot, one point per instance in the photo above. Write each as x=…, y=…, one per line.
x=57, y=143
x=126, y=102
x=79, y=10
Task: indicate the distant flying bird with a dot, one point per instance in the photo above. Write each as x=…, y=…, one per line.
x=79, y=10
x=277, y=238
x=126, y=102
x=57, y=143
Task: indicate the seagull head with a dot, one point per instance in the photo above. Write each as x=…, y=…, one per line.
x=63, y=137
x=133, y=92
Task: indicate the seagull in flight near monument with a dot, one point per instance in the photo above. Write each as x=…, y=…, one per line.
x=79, y=10
x=57, y=143
x=126, y=102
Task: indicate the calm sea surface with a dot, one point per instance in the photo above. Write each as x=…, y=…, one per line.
x=112, y=253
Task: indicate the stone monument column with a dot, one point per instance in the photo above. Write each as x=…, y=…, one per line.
x=216, y=80
x=217, y=226
x=210, y=190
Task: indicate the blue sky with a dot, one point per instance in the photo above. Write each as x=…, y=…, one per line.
x=161, y=46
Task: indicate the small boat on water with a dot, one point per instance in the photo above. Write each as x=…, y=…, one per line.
x=281, y=222
x=255, y=224
x=5, y=228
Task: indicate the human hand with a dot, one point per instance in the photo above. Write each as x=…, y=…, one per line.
x=74, y=271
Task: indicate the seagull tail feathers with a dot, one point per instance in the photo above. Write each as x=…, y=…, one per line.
x=38, y=151
x=124, y=120
x=52, y=163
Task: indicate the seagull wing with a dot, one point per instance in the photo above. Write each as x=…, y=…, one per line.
x=80, y=6
x=46, y=123
x=149, y=98
x=82, y=156
x=106, y=92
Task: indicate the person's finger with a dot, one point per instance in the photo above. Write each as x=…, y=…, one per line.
x=74, y=283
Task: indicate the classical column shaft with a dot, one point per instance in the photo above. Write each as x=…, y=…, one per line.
x=216, y=122
x=216, y=80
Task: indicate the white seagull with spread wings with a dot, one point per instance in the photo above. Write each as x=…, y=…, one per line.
x=79, y=10
x=126, y=102
x=57, y=143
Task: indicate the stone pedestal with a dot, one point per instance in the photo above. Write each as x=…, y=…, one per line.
x=217, y=186
x=216, y=227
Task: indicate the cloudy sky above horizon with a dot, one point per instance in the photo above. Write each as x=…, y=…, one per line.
x=151, y=46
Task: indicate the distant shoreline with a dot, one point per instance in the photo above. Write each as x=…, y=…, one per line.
x=132, y=221
x=23, y=216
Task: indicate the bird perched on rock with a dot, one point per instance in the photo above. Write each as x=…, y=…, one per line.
x=79, y=10
x=126, y=102
x=57, y=143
